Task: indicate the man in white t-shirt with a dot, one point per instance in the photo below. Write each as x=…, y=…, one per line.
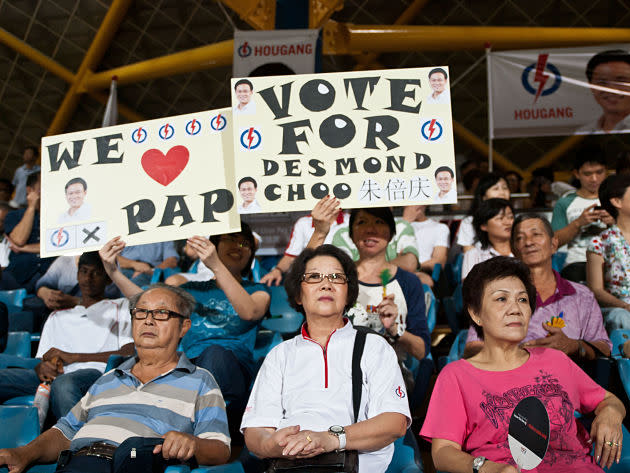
x=75, y=343
x=247, y=188
x=447, y=192
x=577, y=216
x=432, y=240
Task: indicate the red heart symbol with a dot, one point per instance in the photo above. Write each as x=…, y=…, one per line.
x=164, y=169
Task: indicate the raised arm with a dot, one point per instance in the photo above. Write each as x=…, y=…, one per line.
x=595, y=281
x=247, y=306
x=324, y=215
x=108, y=254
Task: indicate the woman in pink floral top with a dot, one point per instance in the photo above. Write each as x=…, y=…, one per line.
x=608, y=255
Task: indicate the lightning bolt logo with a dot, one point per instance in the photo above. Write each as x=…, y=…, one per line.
x=431, y=128
x=139, y=133
x=59, y=236
x=541, y=77
x=219, y=120
x=192, y=126
x=250, y=138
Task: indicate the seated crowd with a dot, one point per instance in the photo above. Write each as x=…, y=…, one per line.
x=190, y=382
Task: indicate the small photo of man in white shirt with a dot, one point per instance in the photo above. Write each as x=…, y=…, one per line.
x=444, y=177
x=76, y=191
x=438, y=80
x=247, y=188
x=244, y=91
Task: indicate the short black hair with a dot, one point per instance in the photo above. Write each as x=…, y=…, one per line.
x=247, y=179
x=247, y=233
x=244, y=82
x=612, y=55
x=481, y=274
x=488, y=209
x=293, y=278
x=91, y=258
x=34, y=149
x=589, y=154
x=436, y=70
x=32, y=179
x=486, y=182
x=444, y=168
x=470, y=176
x=614, y=186
x=384, y=213
x=77, y=180
x=529, y=216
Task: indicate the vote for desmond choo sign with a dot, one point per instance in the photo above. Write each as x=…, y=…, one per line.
x=150, y=181
x=374, y=138
x=566, y=91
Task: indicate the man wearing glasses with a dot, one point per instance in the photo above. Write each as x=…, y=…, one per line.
x=75, y=343
x=158, y=394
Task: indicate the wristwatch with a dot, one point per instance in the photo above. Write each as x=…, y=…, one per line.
x=478, y=463
x=340, y=433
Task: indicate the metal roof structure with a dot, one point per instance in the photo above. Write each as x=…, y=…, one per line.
x=174, y=56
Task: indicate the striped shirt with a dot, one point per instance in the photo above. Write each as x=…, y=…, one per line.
x=118, y=406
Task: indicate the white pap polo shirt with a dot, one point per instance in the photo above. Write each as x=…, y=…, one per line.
x=104, y=326
x=302, y=383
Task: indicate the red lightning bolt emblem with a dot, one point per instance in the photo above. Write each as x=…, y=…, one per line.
x=165, y=130
x=540, y=76
x=431, y=128
x=192, y=126
x=250, y=137
x=59, y=236
x=218, y=120
x=139, y=133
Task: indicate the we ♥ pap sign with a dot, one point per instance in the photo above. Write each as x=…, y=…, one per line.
x=151, y=181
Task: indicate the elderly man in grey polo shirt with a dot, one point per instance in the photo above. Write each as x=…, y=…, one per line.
x=579, y=329
x=157, y=394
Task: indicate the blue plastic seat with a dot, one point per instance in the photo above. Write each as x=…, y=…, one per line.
x=14, y=297
x=437, y=270
x=456, y=351
x=18, y=344
x=156, y=276
x=618, y=337
x=406, y=457
x=257, y=271
x=265, y=341
x=557, y=260
x=284, y=319
x=234, y=467
x=20, y=425
x=431, y=307
x=453, y=307
x=13, y=361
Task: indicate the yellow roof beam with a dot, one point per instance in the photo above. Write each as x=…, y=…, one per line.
x=204, y=57
x=346, y=38
x=259, y=14
x=104, y=36
x=320, y=11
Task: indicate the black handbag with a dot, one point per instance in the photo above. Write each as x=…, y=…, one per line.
x=332, y=462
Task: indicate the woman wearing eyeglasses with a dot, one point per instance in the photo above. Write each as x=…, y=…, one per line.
x=225, y=321
x=302, y=404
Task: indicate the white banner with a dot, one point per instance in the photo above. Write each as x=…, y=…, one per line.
x=263, y=53
x=151, y=181
x=370, y=138
x=560, y=91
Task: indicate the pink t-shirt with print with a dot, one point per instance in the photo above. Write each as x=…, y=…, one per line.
x=472, y=407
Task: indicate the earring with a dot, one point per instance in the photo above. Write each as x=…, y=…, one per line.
x=479, y=321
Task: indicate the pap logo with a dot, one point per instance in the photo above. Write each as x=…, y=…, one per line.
x=431, y=130
x=218, y=122
x=400, y=392
x=250, y=138
x=139, y=135
x=244, y=50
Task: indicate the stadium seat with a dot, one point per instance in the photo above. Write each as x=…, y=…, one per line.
x=166, y=272
x=431, y=307
x=284, y=319
x=624, y=374
x=18, y=344
x=456, y=351
x=265, y=341
x=453, y=307
x=234, y=467
x=257, y=271
x=406, y=457
x=557, y=260
x=14, y=297
x=20, y=425
x=156, y=276
x=13, y=361
x=437, y=270
x=454, y=270
x=618, y=337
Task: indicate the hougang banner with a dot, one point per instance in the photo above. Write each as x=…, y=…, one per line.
x=374, y=138
x=566, y=91
x=149, y=181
